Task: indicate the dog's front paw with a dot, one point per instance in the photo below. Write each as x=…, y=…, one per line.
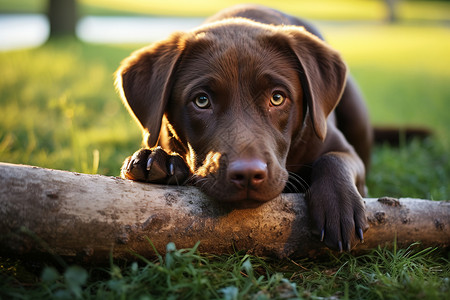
x=155, y=166
x=337, y=215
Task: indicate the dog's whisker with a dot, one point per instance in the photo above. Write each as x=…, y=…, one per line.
x=291, y=188
x=192, y=180
x=297, y=183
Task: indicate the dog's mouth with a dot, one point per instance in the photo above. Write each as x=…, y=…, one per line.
x=241, y=181
x=237, y=198
x=222, y=191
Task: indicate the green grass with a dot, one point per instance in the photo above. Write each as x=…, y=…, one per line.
x=403, y=73
x=318, y=9
x=402, y=69
x=411, y=273
x=59, y=109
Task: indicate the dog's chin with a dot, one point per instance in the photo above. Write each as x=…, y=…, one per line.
x=241, y=198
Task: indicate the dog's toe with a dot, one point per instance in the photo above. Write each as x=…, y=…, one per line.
x=155, y=166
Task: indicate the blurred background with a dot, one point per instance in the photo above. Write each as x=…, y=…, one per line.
x=59, y=108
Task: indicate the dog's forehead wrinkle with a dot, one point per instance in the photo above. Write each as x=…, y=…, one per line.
x=241, y=59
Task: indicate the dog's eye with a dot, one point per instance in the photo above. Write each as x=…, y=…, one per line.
x=277, y=99
x=202, y=101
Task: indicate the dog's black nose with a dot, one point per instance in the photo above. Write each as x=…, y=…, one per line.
x=247, y=173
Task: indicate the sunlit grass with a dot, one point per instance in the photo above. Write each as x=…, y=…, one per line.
x=403, y=71
x=347, y=9
x=23, y=6
x=60, y=110
x=318, y=9
x=323, y=9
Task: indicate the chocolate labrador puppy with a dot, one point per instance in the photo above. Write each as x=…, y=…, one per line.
x=252, y=103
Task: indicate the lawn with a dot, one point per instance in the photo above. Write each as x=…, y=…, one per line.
x=318, y=9
x=59, y=110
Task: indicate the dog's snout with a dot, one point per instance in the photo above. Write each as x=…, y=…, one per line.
x=247, y=173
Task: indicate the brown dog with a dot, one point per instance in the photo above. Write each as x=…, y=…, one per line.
x=248, y=105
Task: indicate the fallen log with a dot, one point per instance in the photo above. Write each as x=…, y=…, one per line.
x=90, y=217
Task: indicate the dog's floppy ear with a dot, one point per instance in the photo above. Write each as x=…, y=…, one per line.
x=144, y=81
x=323, y=75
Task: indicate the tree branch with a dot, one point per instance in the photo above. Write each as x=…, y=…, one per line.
x=91, y=216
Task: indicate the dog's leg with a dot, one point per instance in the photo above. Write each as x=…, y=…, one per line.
x=335, y=199
x=155, y=166
x=353, y=121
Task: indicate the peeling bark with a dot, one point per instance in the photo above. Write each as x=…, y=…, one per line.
x=91, y=216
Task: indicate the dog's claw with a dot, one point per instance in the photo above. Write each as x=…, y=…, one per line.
x=130, y=165
x=348, y=247
x=360, y=235
x=171, y=169
x=149, y=163
x=340, y=246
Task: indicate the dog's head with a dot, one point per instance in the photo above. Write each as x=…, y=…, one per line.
x=234, y=95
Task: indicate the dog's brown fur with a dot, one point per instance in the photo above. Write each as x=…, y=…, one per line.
x=212, y=99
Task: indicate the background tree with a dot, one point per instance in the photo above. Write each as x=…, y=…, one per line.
x=392, y=10
x=62, y=15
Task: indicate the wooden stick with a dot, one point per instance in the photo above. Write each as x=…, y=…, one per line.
x=91, y=216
